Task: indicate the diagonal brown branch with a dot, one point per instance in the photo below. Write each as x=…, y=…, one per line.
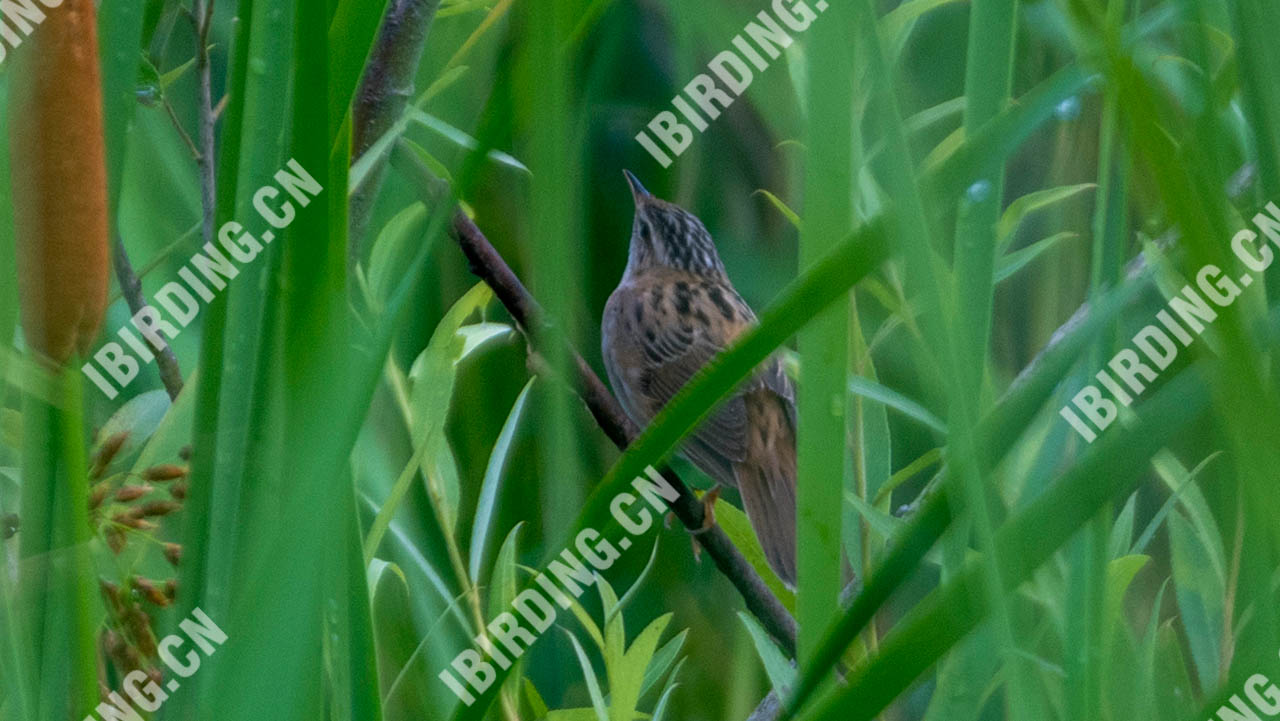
x=383, y=93
x=131, y=289
x=489, y=266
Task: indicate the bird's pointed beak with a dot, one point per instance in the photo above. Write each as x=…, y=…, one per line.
x=637, y=190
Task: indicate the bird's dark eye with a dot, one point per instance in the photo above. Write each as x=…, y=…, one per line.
x=644, y=230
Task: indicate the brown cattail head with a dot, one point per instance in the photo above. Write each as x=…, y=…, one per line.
x=166, y=472
x=173, y=553
x=60, y=182
x=179, y=490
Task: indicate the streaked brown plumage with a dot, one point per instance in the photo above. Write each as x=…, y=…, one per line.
x=672, y=312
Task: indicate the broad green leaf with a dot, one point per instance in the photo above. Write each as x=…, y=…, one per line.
x=1175, y=695
x=1192, y=500
x=1186, y=484
x=394, y=246
x=626, y=678
x=433, y=376
x=459, y=138
x=615, y=634
x=662, y=661
x=587, y=623
x=477, y=335
x=173, y=432
x=433, y=163
x=660, y=711
x=1122, y=530
x=906, y=473
x=1120, y=575
x=414, y=684
x=573, y=714
x=963, y=679
x=1146, y=693
x=499, y=10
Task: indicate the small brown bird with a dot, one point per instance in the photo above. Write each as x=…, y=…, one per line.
x=672, y=312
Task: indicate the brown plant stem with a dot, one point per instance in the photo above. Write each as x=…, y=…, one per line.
x=202, y=18
x=131, y=288
x=383, y=93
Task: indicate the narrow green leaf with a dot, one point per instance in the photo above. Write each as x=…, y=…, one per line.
x=782, y=674
x=493, y=474
x=589, y=675
x=1031, y=203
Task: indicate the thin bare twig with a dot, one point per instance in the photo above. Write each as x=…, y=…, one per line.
x=131, y=288
x=768, y=710
x=182, y=132
x=202, y=17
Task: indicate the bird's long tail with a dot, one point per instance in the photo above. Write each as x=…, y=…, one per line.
x=767, y=482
